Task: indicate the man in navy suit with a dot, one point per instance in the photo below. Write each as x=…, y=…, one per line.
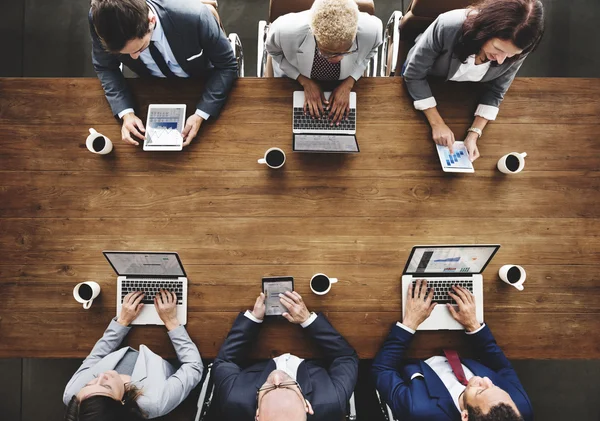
x=286, y=387
x=160, y=38
x=448, y=388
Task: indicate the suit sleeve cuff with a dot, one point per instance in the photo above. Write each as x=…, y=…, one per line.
x=125, y=111
x=308, y=322
x=424, y=104
x=487, y=111
x=408, y=329
x=202, y=114
x=118, y=327
x=476, y=331
x=249, y=315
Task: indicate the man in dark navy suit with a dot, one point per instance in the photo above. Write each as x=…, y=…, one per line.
x=286, y=387
x=448, y=388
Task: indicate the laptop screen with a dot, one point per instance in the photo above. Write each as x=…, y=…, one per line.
x=462, y=260
x=340, y=143
x=145, y=263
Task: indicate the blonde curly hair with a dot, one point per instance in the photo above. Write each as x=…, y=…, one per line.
x=334, y=22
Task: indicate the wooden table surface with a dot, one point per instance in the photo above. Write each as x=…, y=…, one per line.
x=352, y=217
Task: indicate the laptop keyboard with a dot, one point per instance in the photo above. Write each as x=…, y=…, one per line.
x=150, y=287
x=442, y=286
x=306, y=122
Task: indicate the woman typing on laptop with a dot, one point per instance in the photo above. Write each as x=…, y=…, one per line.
x=331, y=41
x=488, y=43
x=126, y=384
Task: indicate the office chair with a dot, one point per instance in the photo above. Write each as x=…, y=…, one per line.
x=385, y=410
x=206, y=397
x=234, y=39
x=264, y=65
x=401, y=30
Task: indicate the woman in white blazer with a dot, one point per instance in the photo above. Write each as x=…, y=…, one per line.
x=331, y=41
x=127, y=384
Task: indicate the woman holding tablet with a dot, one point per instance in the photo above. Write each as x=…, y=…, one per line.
x=127, y=384
x=487, y=43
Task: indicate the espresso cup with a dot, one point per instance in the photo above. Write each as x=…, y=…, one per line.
x=85, y=292
x=512, y=163
x=274, y=158
x=513, y=275
x=98, y=143
x=320, y=283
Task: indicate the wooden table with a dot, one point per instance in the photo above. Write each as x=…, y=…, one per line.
x=352, y=217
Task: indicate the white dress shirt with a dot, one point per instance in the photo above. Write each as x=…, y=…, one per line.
x=443, y=369
x=162, y=45
x=287, y=362
x=467, y=72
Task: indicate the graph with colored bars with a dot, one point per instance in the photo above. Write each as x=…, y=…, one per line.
x=458, y=158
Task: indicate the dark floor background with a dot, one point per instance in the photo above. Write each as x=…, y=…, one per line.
x=43, y=38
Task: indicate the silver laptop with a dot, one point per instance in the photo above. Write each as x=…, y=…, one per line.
x=149, y=272
x=318, y=135
x=442, y=267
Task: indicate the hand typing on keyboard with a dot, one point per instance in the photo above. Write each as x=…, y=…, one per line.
x=132, y=305
x=340, y=101
x=419, y=304
x=314, y=99
x=465, y=315
x=166, y=307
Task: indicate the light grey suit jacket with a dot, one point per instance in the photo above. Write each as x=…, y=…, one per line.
x=433, y=55
x=163, y=388
x=198, y=43
x=291, y=43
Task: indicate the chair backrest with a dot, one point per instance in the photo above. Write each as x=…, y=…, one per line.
x=419, y=15
x=283, y=7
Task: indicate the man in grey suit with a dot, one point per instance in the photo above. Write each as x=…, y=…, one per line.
x=160, y=38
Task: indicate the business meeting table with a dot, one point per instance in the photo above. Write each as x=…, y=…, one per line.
x=353, y=217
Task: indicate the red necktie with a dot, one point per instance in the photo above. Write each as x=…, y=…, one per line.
x=454, y=361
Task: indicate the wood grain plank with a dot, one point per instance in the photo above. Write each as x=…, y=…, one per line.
x=572, y=289
x=410, y=151
x=521, y=335
x=56, y=101
x=259, y=193
x=284, y=241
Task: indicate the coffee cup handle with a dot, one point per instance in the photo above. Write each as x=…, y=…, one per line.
x=87, y=304
x=92, y=131
x=333, y=280
x=520, y=287
x=523, y=154
x=262, y=161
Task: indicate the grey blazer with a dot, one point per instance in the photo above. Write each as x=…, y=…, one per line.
x=163, y=387
x=291, y=43
x=193, y=33
x=433, y=55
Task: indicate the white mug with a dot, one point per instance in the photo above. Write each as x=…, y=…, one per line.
x=270, y=164
x=517, y=283
x=89, y=142
x=87, y=302
x=502, y=162
x=331, y=281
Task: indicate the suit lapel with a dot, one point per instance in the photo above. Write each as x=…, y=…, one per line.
x=140, y=370
x=348, y=63
x=305, y=55
x=437, y=390
x=303, y=378
x=454, y=65
x=262, y=378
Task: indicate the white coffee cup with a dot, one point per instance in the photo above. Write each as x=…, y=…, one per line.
x=269, y=157
x=517, y=282
x=98, y=148
x=87, y=299
x=505, y=169
x=323, y=278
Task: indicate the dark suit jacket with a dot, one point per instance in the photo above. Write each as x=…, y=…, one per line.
x=190, y=29
x=327, y=384
x=426, y=398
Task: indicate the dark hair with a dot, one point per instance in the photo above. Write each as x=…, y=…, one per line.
x=500, y=412
x=104, y=408
x=119, y=21
x=518, y=21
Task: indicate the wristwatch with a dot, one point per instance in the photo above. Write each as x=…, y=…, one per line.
x=475, y=130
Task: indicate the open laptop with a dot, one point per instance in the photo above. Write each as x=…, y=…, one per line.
x=318, y=135
x=149, y=272
x=442, y=267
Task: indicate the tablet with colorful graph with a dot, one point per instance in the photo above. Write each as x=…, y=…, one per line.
x=457, y=161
